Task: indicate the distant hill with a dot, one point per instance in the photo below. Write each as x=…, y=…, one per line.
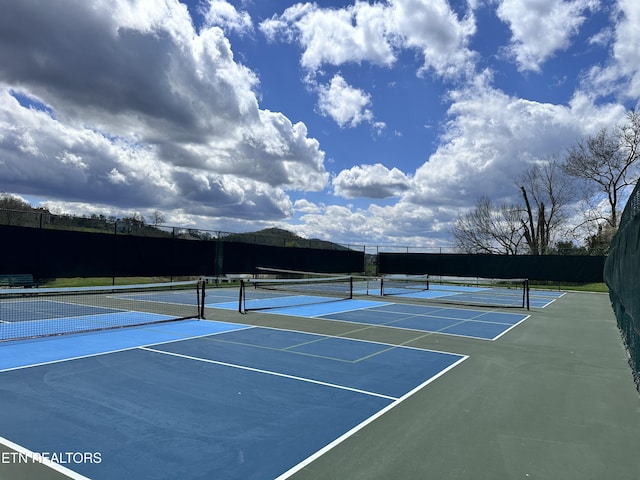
x=282, y=238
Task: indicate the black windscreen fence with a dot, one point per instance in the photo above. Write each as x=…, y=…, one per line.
x=622, y=276
x=46, y=253
x=552, y=268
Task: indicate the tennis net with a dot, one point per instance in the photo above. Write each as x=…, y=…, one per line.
x=268, y=293
x=41, y=312
x=403, y=284
x=480, y=291
x=282, y=274
x=272, y=288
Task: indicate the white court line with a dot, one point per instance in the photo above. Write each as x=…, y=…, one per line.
x=35, y=458
x=391, y=325
x=268, y=372
x=548, y=303
x=438, y=309
x=342, y=337
x=363, y=424
x=354, y=309
x=510, y=328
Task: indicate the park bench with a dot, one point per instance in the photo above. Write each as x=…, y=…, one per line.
x=17, y=280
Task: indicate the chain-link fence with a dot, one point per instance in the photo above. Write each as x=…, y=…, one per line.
x=622, y=276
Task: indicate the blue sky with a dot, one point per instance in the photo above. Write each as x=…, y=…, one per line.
x=371, y=123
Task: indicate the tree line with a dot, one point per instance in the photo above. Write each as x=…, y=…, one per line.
x=15, y=211
x=570, y=204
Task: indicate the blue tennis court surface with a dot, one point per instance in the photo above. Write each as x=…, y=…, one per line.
x=487, y=325
x=95, y=320
x=483, y=296
x=482, y=324
x=201, y=399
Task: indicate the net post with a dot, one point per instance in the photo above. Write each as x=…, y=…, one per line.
x=525, y=298
x=350, y=286
x=201, y=297
x=241, y=297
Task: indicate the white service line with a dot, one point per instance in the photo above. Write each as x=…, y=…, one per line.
x=268, y=372
x=363, y=424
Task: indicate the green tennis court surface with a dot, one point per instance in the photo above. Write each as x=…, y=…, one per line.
x=553, y=399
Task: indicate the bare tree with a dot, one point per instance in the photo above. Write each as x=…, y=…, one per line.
x=607, y=163
x=157, y=218
x=489, y=229
x=14, y=210
x=546, y=192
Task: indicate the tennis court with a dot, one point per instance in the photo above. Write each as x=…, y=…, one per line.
x=359, y=388
x=449, y=321
x=487, y=324
x=269, y=293
x=481, y=324
x=483, y=296
x=199, y=399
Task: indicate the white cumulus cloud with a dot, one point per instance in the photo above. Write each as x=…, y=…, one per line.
x=492, y=137
x=371, y=181
x=377, y=33
x=125, y=103
x=222, y=14
x=345, y=104
x=541, y=28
